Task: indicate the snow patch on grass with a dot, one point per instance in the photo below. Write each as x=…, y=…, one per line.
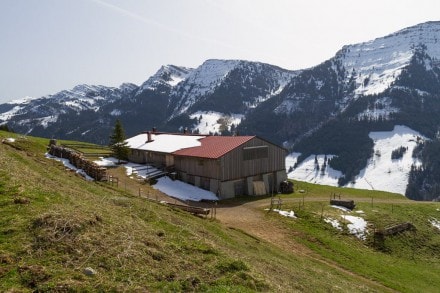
x=68, y=165
x=335, y=223
x=184, y=191
x=106, y=162
x=9, y=139
x=341, y=208
x=357, y=226
x=289, y=214
x=435, y=223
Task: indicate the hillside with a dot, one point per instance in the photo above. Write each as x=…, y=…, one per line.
x=55, y=225
x=328, y=109
x=387, y=169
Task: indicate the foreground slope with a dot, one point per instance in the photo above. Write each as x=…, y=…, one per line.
x=55, y=225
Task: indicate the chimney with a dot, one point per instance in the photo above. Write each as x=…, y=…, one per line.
x=149, y=136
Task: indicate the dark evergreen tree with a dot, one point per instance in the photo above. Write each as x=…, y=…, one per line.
x=118, y=144
x=5, y=127
x=398, y=153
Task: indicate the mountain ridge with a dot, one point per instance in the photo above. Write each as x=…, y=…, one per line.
x=365, y=87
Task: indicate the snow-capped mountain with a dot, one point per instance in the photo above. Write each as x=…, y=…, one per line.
x=170, y=99
x=167, y=77
x=40, y=116
x=228, y=86
x=368, y=87
x=317, y=95
x=329, y=109
x=201, y=82
x=376, y=64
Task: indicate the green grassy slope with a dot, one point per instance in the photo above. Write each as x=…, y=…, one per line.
x=54, y=225
x=408, y=261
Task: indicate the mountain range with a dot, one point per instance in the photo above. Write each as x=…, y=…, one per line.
x=329, y=109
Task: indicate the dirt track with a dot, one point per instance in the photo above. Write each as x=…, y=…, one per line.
x=248, y=216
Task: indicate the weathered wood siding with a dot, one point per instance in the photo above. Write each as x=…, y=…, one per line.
x=233, y=165
x=152, y=158
x=208, y=168
x=136, y=156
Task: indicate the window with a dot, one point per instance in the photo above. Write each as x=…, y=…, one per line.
x=257, y=152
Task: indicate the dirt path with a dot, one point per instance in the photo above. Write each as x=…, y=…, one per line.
x=249, y=217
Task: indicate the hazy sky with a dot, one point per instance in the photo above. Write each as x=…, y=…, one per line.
x=50, y=45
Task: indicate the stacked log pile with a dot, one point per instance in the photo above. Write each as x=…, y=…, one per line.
x=349, y=204
x=392, y=230
x=79, y=161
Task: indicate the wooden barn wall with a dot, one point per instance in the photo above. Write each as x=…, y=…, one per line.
x=156, y=159
x=153, y=158
x=234, y=165
x=209, y=168
x=136, y=156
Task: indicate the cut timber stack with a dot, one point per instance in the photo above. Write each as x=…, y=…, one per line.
x=349, y=204
x=76, y=159
x=392, y=230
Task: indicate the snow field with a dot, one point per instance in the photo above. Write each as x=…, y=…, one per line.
x=209, y=121
x=381, y=172
x=172, y=188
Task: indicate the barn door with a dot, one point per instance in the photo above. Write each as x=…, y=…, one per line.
x=239, y=188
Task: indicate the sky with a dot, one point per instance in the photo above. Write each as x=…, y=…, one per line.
x=50, y=45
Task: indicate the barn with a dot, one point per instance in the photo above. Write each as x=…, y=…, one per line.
x=225, y=165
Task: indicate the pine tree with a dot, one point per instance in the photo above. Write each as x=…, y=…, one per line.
x=118, y=144
x=5, y=127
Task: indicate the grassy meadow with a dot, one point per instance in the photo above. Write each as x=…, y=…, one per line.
x=60, y=233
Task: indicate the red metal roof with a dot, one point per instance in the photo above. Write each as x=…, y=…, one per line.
x=214, y=147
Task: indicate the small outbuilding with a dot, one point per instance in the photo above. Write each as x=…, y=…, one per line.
x=226, y=165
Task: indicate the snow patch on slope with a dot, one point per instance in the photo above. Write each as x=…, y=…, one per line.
x=202, y=81
x=435, y=223
x=168, y=75
x=116, y=112
x=381, y=173
x=21, y=101
x=44, y=121
x=182, y=190
x=212, y=122
x=11, y=113
x=376, y=64
x=311, y=172
x=381, y=109
x=357, y=226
